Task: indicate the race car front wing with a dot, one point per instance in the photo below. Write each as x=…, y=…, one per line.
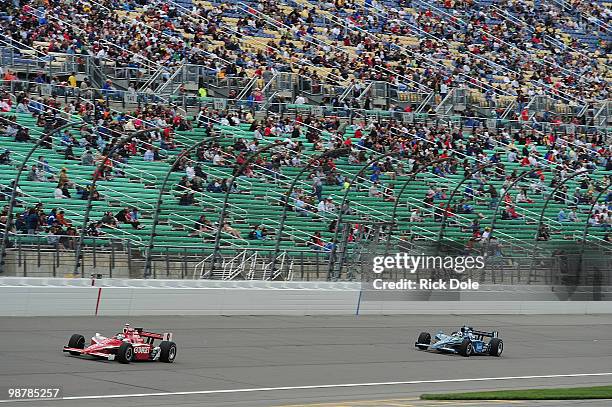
x=107, y=356
x=432, y=347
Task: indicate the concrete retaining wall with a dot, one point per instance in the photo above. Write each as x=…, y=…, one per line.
x=57, y=297
x=68, y=297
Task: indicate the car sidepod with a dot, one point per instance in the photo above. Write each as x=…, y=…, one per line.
x=479, y=347
x=142, y=351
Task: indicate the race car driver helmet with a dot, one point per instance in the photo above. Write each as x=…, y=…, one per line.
x=466, y=329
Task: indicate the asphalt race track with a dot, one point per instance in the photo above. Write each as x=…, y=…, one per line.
x=319, y=361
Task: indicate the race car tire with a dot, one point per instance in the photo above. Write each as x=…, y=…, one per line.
x=424, y=337
x=125, y=353
x=466, y=348
x=496, y=347
x=167, y=351
x=76, y=341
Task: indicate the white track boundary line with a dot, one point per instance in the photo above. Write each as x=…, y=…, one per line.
x=320, y=386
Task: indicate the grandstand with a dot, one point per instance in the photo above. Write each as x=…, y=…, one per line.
x=207, y=128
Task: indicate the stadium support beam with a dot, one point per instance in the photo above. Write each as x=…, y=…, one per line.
x=334, y=242
x=412, y=176
x=452, y=196
x=587, y=224
x=119, y=142
x=541, y=218
x=44, y=138
x=333, y=153
x=162, y=189
x=238, y=170
x=520, y=177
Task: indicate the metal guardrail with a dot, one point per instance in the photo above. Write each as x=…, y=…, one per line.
x=37, y=257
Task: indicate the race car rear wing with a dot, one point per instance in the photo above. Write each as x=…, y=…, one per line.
x=166, y=336
x=485, y=334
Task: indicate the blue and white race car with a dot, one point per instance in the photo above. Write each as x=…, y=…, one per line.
x=466, y=342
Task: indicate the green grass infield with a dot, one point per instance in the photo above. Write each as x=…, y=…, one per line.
x=573, y=393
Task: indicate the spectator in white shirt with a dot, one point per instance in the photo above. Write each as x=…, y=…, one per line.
x=218, y=159
x=58, y=193
x=573, y=216
x=321, y=206
x=486, y=235
x=295, y=161
x=4, y=106
x=533, y=161
x=189, y=171
x=512, y=157
x=22, y=107
x=148, y=155
x=326, y=206
x=330, y=207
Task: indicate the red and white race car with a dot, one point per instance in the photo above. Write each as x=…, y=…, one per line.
x=130, y=345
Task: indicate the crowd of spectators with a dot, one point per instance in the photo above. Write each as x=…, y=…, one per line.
x=510, y=48
x=413, y=144
x=488, y=46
